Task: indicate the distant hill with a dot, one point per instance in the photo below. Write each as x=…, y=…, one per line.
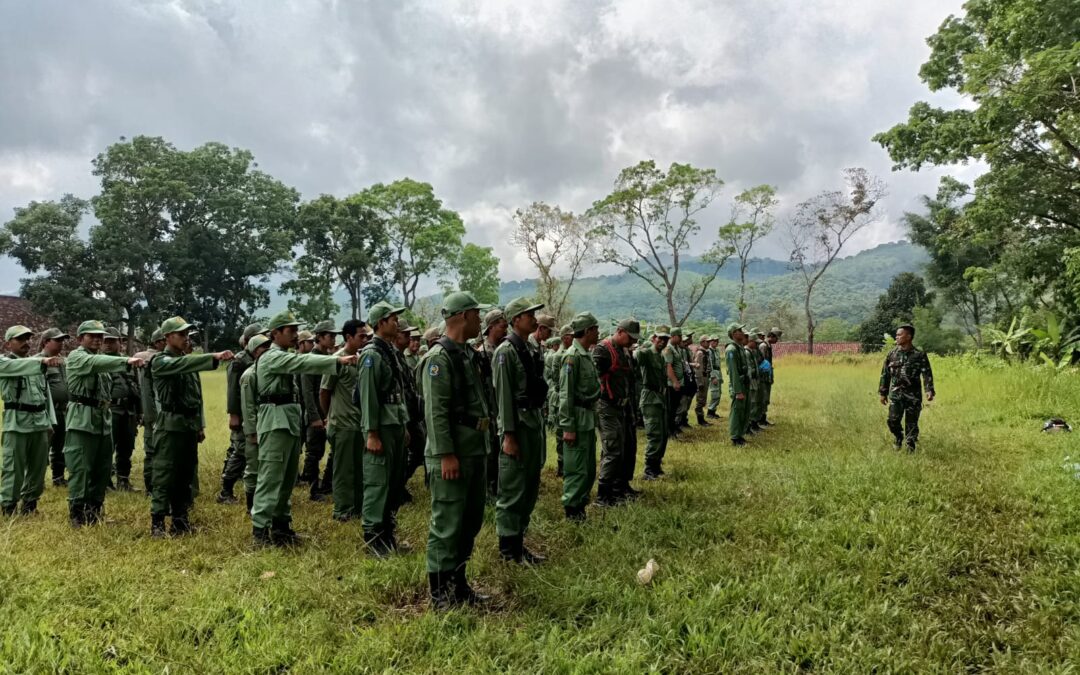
x=848, y=291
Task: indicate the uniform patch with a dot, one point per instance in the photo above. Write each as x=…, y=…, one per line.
x=433, y=370
x=502, y=359
x=369, y=362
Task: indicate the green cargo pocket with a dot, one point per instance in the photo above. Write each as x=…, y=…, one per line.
x=375, y=469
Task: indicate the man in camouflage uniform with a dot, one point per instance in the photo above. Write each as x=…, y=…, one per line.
x=716, y=379
x=235, y=457
x=675, y=366
x=28, y=420
x=551, y=376
x=126, y=410
x=738, y=370
x=702, y=365
x=653, y=374
x=344, y=428
x=325, y=340
x=148, y=405
x=899, y=387
x=615, y=414
x=180, y=425
x=495, y=328
x=579, y=389
x=52, y=345
x=457, y=417
x=256, y=346
x=520, y=392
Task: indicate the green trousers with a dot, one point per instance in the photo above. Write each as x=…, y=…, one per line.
x=235, y=459
x=715, y=392
x=519, y=483
x=579, y=469
x=739, y=418
x=279, y=458
x=148, y=457
x=656, y=435
x=173, y=472
x=753, y=401
x=22, y=471
x=348, y=483
x=701, y=399
x=457, y=511
x=383, y=479
x=89, y=459
x=765, y=389
x=251, y=466
x=618, y=446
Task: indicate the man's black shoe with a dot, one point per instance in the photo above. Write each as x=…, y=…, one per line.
x=738, y=441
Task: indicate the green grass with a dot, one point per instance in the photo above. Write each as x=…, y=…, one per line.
x=815, y=548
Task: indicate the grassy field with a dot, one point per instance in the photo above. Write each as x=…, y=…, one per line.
x=816, y=548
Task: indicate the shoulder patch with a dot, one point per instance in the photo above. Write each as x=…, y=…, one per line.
x=368, y=361
x=433, y=370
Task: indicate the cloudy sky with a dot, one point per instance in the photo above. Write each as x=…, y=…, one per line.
x=495, y=103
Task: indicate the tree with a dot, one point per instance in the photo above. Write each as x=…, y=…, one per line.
x=425, y=238
x=822, y=225
x=931, y=334
x=1015, y=63
x=645, y=226
x=751, y=220
x=477, y=272
x=895, y=306
x=344, y=242
x=314, y=307
x=557, y=243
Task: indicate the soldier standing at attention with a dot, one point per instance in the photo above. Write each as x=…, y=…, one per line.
x=654, y=376
x=900, y=390
x=324, y=339
x=771, y=339
x=716, y=379
x=414, y=428
x=343, y=427
x=738, y=383
x=280, y=425
x=149, y=406
x=126, y=409
x=520, y=392
x=545, y=325
x=256, y=346
x=495, y=329
x=753, y=362
x=235, y=458
x=551, y=374
x=702, y=364
x=179, y=425
x=674, y=365
x=28, y=420
x=765, y=383
x=579, y=389
x=88, y=446
x=615, y=414
x=381, y=387
x=52, y=345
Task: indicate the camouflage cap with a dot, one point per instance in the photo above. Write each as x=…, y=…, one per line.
x=519, y=306
x=250, y=331
x=458, y=303
x=174, y=325
x=381, y=310
x=734, y=326
x=493, y=317
x=53, y=334
x=325, y=327
x=17, y=332
x=662, y=331
x=282, y=320
x=91, y=328
x=583, y=321
x=305, y=336
x=112, y=333
x=256, y=341
x=631, y=326
x=546, y=320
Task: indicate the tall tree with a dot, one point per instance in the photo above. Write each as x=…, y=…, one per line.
x=344, y=242
x=896, y=305
x=822, y=225
x=477, y=272
x=557, y=243
x=645, y=227
x=751, y=221
x=425, y=238
x=313, y=307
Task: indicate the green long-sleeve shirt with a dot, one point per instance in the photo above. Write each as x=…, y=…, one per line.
x=443, y=404
x=738, y=372
x=382, y=396
x=511, y=389
x=275, y=373
x=22, y=381
x=57, y=378
x=579, y=387
x=673, y=357
x=249, y=407
x=652, y=373
x=344, y=413
x=233, y=371
x=88, y=377
x=178, y=389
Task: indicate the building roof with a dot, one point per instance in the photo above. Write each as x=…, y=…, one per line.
x=15, y=310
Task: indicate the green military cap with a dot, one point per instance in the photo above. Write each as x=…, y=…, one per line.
x=381, y=310
x=112, y=333
x=432, y=333
x=631, y=326
x=493, y=317
x=325, y=327
x=458, y=302
x=91, y=328
x=583, y=321
x=566, y=330
x=53, y=334
x=250, y=331
x=282, y=320
x=404, y=328
x=552, y=341
x=305, y=336
x=734, y=326
x=156, y=336
x=256, y=341
x=753, y=332
x=689, y=333
x=675, y=332
x=776, y=331
x=662, y=331
x=546, y=320
x=519, y=306
x=174, y=325
x=17, y=332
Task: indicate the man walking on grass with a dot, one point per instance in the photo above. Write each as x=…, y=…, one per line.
x=900, y=389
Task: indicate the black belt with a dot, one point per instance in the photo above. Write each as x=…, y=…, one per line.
x=477, y=423
x=279, y=399
x=179, y=410
x=24, y=407
x=618, y=403
x=90, y=402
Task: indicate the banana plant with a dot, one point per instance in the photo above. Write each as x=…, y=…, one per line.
x=1008, y=343
x=1055, y=345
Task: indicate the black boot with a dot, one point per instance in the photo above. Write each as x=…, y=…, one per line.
x=8, y=509
x=77, y=514
x=898, y=441
x=29, y=508
x=510, y=548
x=250, y=497
x=376, y=541
x=123, y=484
x=157, y=525
x=59, y=481
x=442, y=592
x=226, y=494
x=93, y=513
x=629, y=494
x=605, y=496
x=260, y=537
x=701, y=421
x=465, y=593
x=712, y=414
x=755, y=427
x=282, y=534
x=575, y=514
x=180, y=524
x=738, y=441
